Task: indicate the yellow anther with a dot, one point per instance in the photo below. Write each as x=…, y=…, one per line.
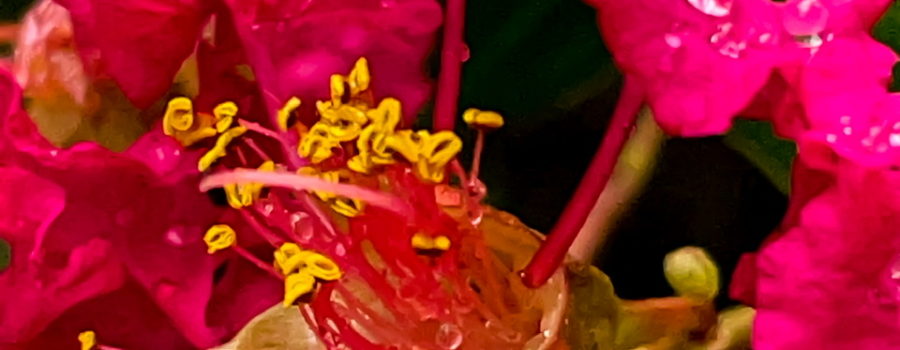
x=297, y=285
x=286, y=258
x=179, y=116
x=218, y=151
x=240, y=196
x=479, y=119
x=337, y=89
x=348, y=207
x=386, y=116
x=320, y=266
x=286, y=111
x=219, y=237
x=421, y=241
x=359, y=77
x=88, y=340
x=344, y=123
x=316, y=145
x=225, y=113
x=441, y=243
x=428, y=152
x=407, y=143
x=290, y=258
x=436, y=152
x=372, y=143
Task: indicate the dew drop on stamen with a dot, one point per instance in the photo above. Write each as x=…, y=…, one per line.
x=449, y=336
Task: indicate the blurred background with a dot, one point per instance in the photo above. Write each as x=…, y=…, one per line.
x=543, y=65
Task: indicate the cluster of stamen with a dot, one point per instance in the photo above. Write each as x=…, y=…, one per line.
x=353, y=139
x=354, y=143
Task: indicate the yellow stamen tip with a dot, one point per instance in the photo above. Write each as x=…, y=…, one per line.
x=219, y=237
x=179, y=115
x=337, y=89
x=316, y=145
x=285, y=258
x=321, y=266
x=218, y=151
x=225, y=113
x=359, y=77
x=442, y=243
x=348, y=207
x=88, y=340
x=421, y=241
x=285, y=112
x=479, y=119
x=297, y=285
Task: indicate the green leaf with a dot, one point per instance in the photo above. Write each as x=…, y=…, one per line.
x=5, y=255
x=887, y=29
x=773, y=156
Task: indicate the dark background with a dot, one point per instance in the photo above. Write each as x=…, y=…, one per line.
x=542, y=63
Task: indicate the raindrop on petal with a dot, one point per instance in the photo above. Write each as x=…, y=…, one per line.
x=715, y=8
x=805, y=17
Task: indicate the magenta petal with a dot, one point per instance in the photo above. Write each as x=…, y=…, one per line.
x=699, y=70
x=43, y=281
x=140, y=44
x=307, y=43
x=126, y=318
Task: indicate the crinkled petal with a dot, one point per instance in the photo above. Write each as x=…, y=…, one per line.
x=139, y=44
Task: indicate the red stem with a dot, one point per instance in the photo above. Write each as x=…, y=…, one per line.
x=553, y=251
x=452, y=57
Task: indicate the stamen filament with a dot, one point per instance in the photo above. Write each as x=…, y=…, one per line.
x=476, y=156
x=266, y=234
x=292, y=158
x=252, y=144
x=256, y=261
x=552, y=252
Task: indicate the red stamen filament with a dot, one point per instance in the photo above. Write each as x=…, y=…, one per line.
x=256, y=261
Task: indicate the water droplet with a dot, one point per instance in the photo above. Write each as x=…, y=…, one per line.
x=832, y=138
x=449, y=336
x=175, y=236
x=268, y=208
x=465, y=53
x=845, y=120
x=809, y=41
x=54, y=153
x=340, y=250
x=805, y=17
x=715, y=8
x=674, y=41
x=847, y=130
x=894, y=139
x=733, y=49
x=721, y=32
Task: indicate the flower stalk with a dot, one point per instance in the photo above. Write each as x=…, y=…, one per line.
x=453, y=53
x=551, y=254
